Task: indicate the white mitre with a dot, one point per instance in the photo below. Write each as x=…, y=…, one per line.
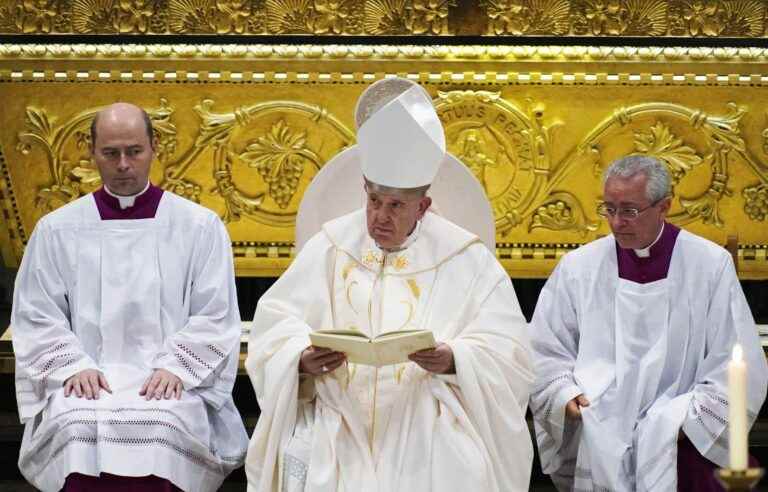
x=400, y=137
x=401, y=144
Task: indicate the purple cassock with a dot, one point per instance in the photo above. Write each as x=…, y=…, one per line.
x=77, y=482
x=654, y=267
x=144, y=207
x=695, y=473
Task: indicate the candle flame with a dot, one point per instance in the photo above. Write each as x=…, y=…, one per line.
x=738, y=352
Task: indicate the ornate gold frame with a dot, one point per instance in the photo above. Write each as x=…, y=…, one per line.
x=577, y=18
x=243, y=128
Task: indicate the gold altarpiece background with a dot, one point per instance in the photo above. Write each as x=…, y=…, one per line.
x=244, y=127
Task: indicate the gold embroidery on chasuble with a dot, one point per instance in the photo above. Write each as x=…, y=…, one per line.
x=373, y=259
x=414, y=288
x=376, y=295
x=398, y=261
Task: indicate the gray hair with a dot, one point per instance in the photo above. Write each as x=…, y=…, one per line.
x=659, y=182
x=419, y=192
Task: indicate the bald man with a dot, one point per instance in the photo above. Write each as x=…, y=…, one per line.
x=126, y=332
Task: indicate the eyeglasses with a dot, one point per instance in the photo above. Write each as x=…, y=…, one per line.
x=627, y=213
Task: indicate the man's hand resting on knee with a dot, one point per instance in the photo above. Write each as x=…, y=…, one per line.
x=88, y=383
x=162, y=384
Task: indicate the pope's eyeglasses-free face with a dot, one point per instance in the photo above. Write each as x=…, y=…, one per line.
x=391, y=218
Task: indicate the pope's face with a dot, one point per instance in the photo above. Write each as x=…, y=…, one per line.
x=123, y=151
x=391, y=218
x=625, y=193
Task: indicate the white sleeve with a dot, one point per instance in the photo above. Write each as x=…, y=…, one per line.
x=297, y=303
x=204, y=353
x=494, y=373
x=555, y=340
x=46, y=350
x=729, y=320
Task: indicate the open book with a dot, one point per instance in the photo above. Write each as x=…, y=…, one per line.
x=388, y=348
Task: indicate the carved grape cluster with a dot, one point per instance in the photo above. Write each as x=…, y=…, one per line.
x=190, y=191
x=558, y=211
x=280, y=156
x=756, y=202
x=283, y=186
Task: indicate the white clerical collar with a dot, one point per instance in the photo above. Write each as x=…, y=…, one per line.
x=646, y=252
x=408, y=241
x=129, y=200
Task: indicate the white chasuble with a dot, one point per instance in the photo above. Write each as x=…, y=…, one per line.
x=650, y=358
x=126, y=297
x=397, y=427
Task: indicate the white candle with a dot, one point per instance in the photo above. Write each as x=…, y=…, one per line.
x=737, y=409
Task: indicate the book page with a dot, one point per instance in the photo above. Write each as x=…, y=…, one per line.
x=394, y=348
x=358, y=349
x=398, y=333
x=390, y=348
x=349, y=333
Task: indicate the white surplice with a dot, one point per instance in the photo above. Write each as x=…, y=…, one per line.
x=125, y=297
x=651, y=359
x=399, y=427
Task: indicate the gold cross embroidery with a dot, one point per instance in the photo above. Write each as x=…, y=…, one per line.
x=372, y=258
x=400, y=263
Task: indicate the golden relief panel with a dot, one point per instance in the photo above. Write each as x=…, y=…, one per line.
x=679, y=18
x=244, y=129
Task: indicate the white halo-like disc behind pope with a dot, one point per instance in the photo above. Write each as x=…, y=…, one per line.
x=337, y=190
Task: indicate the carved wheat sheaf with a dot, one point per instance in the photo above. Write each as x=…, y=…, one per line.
x=550, y=16
x=289, y=16
x=646, y=18
x=190, y=16
x=743, y=18
x=385, y=17
x=92, y=16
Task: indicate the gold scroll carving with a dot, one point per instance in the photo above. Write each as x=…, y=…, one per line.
x=243, y=130
x=651, y=18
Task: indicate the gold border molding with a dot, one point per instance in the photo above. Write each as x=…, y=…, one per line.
x=574, y=18
x=442, y=53
x=233, y=93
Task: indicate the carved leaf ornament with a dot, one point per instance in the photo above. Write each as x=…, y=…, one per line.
x=494, y=137
x=661, y=143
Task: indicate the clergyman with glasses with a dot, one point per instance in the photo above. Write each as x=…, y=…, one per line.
x=631, y=336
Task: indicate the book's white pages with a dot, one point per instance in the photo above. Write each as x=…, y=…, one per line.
x=386, y=349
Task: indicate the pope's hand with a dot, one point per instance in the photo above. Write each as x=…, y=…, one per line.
x=86, y=383
x=162, y=384
x=573, y=407
x=319, y=360
x=438, y=360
